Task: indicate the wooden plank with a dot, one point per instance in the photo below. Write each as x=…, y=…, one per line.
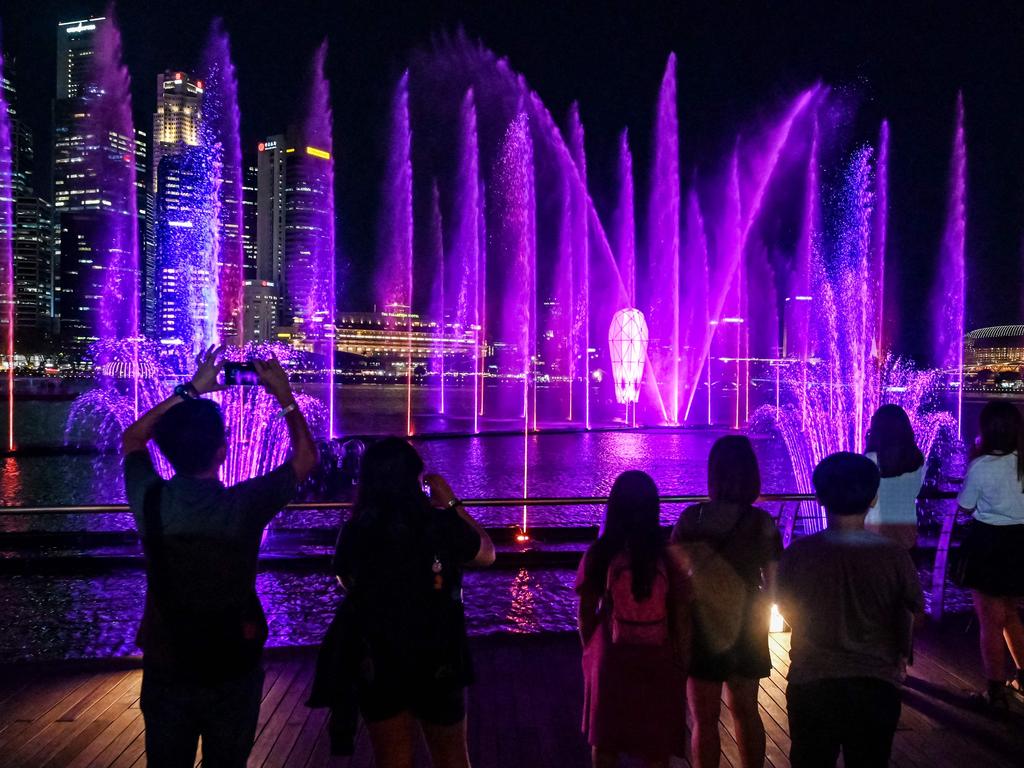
x=59, y=730
x=295, y=697
x=125, y=711
x=94, y=721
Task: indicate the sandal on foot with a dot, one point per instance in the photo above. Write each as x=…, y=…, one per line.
x=989, y=701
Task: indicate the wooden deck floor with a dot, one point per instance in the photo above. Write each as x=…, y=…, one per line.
x=524, y=711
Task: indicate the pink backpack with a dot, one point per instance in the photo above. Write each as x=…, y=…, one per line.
x=637, y=623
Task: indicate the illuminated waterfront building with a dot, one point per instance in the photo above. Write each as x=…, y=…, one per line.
x=994, y=358
x=382, y=342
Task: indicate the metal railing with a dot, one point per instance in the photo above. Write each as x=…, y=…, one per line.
x=789, y=514
x=511, y=501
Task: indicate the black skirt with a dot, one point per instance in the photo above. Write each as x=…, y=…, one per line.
x=994, y=559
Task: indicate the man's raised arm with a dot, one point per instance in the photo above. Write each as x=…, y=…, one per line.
x=138, y=434
x=304, y=452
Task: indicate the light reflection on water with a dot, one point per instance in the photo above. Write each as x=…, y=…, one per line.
x=83, y=616
x=47, y=617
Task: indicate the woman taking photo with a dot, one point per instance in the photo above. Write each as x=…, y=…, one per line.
x=893, y=448
x=634, y=624
x=994, y=571
x=400, y=558
x=734, y=548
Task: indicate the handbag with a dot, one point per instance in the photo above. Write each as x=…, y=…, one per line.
x=720, y=595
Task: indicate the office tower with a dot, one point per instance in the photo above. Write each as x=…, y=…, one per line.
x=82, y=205
x=176, y=122
x=176, y=125
x=250, y=188
x=185, y=280
x=262, y=309
x=32, y=241
x=270, y=208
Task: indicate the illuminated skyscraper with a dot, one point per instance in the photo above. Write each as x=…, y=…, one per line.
x=250, y=225
x=185, y=280
x=176, y=126
x=179, y=110
x=270, y=208
x=33, y=235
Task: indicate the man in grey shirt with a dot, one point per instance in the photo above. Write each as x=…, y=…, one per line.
x=203, y=627
x=850, y=596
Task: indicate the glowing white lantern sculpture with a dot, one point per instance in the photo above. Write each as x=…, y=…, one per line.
x=627, y=343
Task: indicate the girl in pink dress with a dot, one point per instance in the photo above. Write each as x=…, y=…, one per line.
x=634, y=621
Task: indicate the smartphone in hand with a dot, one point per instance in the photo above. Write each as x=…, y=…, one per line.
x=240, y=374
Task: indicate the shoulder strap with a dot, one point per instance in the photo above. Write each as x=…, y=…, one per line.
x=153, y=537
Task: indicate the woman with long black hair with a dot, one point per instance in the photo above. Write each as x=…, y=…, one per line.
x=892, y=446
x=994, y=571
x=634, y=623
x=402, y=624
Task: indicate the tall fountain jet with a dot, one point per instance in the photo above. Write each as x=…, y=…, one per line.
x=663, y=242
x=757, y=189
x=579, y=308
x=7, y=297
x=624, y=229
x=466, y=248
x=310, y=238
x=394, y=278
x=111, y=152
x=438, y=299
x=515, y=199
x=950, y=293
x=694, y=313
x=219, y=133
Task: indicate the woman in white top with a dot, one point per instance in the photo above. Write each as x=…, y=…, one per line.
x=892, y=446
x=994, y=492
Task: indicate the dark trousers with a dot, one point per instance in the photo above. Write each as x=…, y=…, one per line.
x=855, y=714
x=177, y=714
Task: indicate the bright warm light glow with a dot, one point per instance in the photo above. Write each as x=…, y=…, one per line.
x=318, y=153
x=776, y=623
x=627, y=343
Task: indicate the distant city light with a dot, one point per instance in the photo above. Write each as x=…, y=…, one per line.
x=318, y=153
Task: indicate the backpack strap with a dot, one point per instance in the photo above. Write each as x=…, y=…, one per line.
x=153, y=536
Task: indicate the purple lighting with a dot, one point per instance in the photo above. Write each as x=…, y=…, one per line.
x=111, y=153
x=395, y=265
x=7, y=297
x=219, y=132
x=663, y=242
x=309, y=235
x=950, y=293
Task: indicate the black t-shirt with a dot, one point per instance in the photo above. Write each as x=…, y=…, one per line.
x=210, y=538
x=404, y=585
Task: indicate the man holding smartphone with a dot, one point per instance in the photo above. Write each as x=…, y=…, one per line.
x=203, y=627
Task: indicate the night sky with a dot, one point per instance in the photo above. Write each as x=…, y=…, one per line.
x=901, y=61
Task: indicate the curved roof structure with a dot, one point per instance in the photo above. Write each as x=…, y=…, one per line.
x=996, y=332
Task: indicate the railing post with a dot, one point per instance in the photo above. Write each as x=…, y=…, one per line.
x=941, y=558
x=787, y=519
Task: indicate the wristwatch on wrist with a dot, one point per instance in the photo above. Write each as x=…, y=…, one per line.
x=186, y=391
